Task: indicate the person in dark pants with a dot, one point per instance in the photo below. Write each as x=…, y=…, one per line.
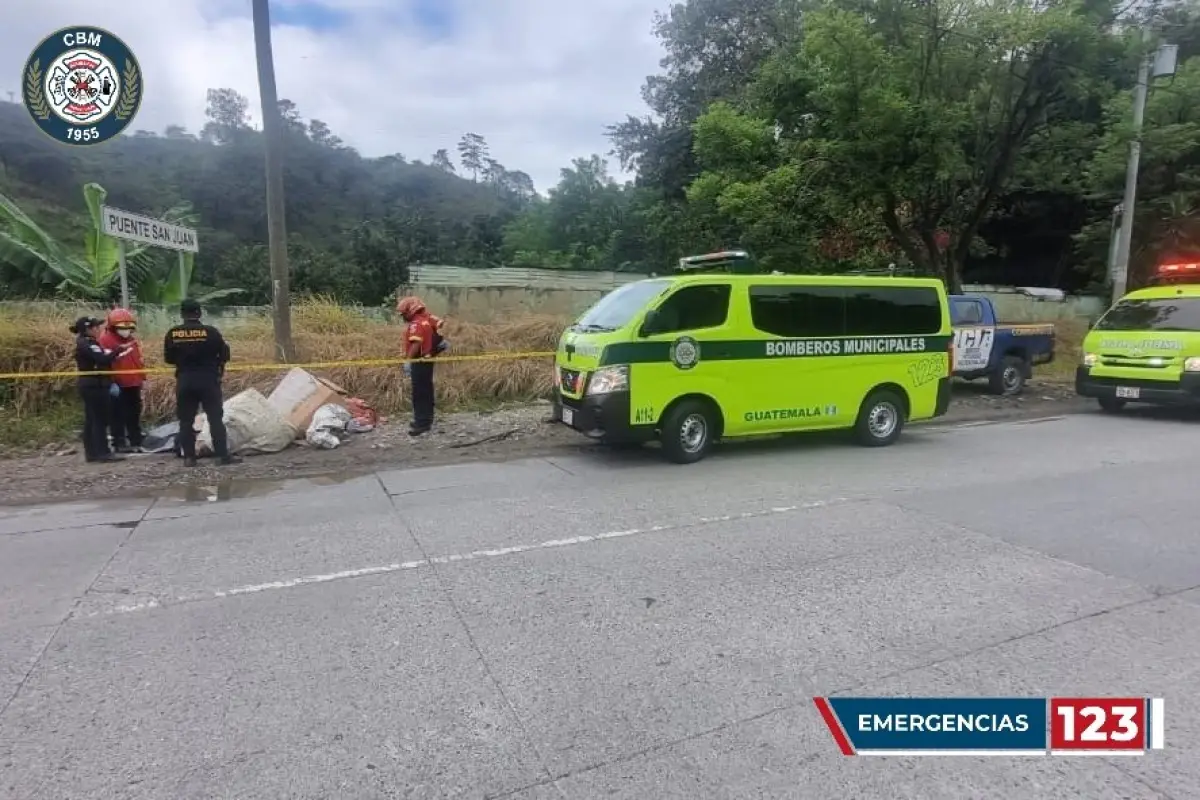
x=125, y=420
x=199, y=354
x=94, y=390
x=423, y=341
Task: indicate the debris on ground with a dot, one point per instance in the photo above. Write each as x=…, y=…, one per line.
x=328, y=427
x=300, y=394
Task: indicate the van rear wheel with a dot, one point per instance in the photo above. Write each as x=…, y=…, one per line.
x=880, y=419
x=688, y=432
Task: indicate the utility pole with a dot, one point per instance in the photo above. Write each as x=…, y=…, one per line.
x=1120, y=275
x=1162, y=62
x=276, y=225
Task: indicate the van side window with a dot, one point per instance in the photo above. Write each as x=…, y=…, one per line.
x=797, y=312
x=892, y=311
x=966, y=312
x=695, y=307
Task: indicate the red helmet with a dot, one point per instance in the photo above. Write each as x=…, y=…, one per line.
x=409, y=307
x=121, y=318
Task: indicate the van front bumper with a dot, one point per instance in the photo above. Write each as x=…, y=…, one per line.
x=604, y=417
x=1183, y=392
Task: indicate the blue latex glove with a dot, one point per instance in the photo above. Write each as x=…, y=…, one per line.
x=444, y=346
x=114, y=390
x=407, y=370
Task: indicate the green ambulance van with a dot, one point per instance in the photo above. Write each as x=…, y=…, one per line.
x=1146, y=348
x=691, y=359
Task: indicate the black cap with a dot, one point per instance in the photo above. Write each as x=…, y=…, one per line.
x=189, y=307
x=83, y=323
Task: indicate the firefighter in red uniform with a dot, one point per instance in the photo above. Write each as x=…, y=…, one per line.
x=125, y=416
x=422, y=340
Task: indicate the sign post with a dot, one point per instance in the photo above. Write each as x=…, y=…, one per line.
x=125, y=226
x=124, y=273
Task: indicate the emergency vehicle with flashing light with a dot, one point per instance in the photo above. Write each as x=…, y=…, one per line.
x=721, y=350
x=1146, y=348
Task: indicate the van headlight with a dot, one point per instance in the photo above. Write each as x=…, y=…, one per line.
x=1191, y=364
x=1090, y=359
x=607, y=380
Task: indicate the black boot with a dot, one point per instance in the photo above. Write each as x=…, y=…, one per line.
x=227, y=460
x=189, y=461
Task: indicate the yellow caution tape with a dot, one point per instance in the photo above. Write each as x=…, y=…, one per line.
x=372, y=362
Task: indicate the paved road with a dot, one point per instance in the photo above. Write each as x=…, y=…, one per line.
x=606, y=626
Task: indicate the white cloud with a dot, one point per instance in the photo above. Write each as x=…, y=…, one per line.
x=539, y=79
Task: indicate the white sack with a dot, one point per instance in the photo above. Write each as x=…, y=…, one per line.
x=252, y=425
x=328, y=421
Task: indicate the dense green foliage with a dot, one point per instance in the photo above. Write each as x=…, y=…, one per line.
x=950, y=137
x=355, y=224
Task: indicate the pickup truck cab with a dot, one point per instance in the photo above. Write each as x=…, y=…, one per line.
x=1004, y=354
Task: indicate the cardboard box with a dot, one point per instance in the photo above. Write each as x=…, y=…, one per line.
x=300, y=394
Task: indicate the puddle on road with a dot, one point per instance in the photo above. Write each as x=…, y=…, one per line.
x=233, y=488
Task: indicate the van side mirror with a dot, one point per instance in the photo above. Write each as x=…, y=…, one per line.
x=652, y=324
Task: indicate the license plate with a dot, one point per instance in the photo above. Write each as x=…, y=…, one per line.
x=568, y=415
x=1129, y=392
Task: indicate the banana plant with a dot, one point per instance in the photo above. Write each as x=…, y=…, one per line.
x=26, y=246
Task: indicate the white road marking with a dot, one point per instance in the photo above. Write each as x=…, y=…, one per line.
x=474, y=555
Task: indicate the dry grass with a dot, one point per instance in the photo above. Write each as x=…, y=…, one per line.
x=1067, y=352
x=323, y=332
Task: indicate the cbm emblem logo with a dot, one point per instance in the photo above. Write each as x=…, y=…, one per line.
x=82, y=85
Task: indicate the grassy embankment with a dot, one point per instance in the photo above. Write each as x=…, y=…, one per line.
x=36, y=412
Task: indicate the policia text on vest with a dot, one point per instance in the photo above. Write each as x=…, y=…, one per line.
x=199, y=354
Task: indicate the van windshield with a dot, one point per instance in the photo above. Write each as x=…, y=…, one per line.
x=618, y=307
x=1168, y=314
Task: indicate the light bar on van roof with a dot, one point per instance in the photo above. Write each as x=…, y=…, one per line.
x=724, y=255
x=1183, y=268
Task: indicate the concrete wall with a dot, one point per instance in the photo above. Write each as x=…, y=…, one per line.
x=496, y=303
x=1015, y=307
x=491, y=303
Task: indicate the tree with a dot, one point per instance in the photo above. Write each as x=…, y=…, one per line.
x=494, y=173
x=473, y=154
x=319, y=132
x=1167, y=215
x=441, y=160
x=583, y=224
x=919, y=116
x=290, y=116
x=228, y=116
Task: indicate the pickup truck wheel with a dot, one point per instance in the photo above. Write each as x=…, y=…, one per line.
x=1010, y=378
x=1111, y=405
x=880, y=420
x=688, y=432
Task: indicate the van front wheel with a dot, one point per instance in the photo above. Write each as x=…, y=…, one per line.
x=687, y=432
x=880, y=420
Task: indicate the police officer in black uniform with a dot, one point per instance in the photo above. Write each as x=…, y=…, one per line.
x=91, y=358
x=199, y=354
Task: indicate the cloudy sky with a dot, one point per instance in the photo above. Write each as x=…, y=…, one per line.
x=538, y=78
